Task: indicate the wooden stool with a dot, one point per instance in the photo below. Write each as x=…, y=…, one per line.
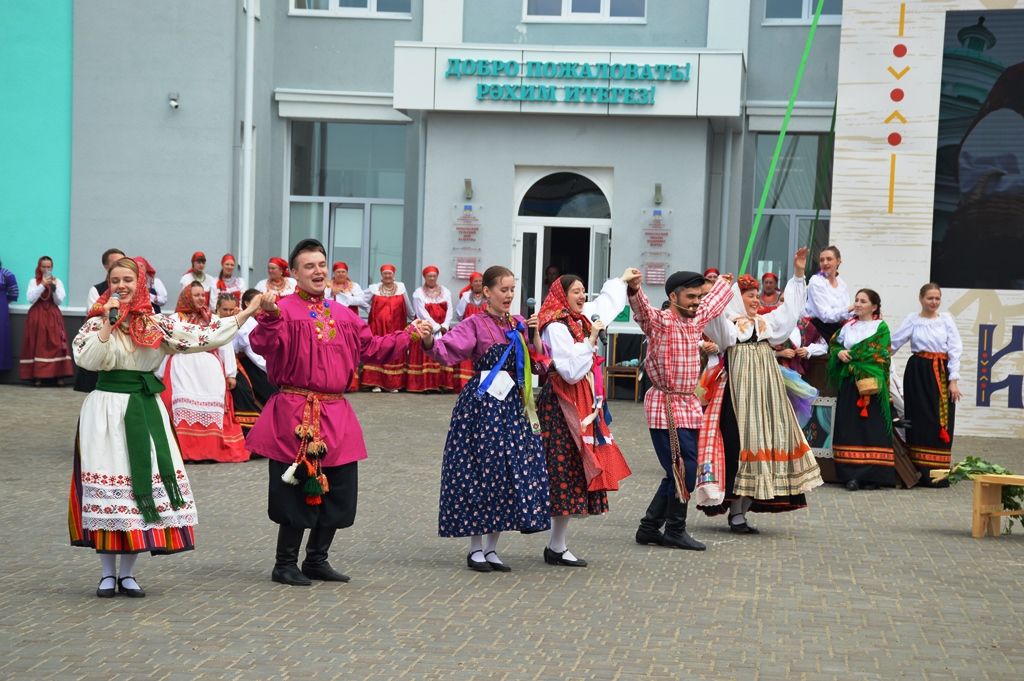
x=988, y=510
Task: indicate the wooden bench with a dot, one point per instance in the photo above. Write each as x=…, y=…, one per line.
x=988, y=509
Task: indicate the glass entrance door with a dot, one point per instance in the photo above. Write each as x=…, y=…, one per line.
x=348, y=224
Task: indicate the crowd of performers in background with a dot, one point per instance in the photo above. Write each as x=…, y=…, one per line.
x=734, y=366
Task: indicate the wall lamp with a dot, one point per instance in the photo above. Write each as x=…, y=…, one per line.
x=468, y=188
x=173, y=100
x=657, y=193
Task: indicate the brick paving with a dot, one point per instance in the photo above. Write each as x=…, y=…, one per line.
x=872, y=585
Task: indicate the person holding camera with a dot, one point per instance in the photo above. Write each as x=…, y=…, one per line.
x=44, y=352
x=858, y=362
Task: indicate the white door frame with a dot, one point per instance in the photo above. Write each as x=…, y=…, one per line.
x=538, y=226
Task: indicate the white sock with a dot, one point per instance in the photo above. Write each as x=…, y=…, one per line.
x=559, y=528
x=108, y=569
x=491, y=545
x=127, y=572
x=476, y=546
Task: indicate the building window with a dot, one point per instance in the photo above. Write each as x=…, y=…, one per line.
x=367, y=9
x=348, y=190
x=585, y=11
x=801, y=11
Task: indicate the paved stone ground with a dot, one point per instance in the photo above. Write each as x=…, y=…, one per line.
x=872, y=585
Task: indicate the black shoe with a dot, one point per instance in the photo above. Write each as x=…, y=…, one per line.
x=290, y=575
x=497, y=567
x=130, y=593
x=676, y=536
x=478, y=565
x=324, y=572
x=649, y=531
x=869, y=487
x=554, y=558
x=286, y=569
x=741, y=528
x=105, y=593
x=853, y=485
x=316, y=566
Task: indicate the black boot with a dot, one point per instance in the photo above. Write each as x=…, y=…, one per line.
x=286, y=569
x=316, y=566
x=649, y=531
x=676, y=535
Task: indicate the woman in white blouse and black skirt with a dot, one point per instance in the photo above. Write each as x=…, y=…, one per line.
x=828, y=306
x=931, y=382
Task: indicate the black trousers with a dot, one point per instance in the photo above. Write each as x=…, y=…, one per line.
x=286, y=504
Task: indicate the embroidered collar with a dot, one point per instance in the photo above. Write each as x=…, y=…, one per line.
x=309, y=297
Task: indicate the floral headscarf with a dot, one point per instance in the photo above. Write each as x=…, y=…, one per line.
x=133, y=317
x=195, y=314
x=556, y=309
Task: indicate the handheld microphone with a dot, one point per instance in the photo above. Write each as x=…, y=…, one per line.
x=602, y=335
x=112, y=314
x=531, y=303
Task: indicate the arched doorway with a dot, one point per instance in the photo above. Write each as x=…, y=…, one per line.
x=563, y=226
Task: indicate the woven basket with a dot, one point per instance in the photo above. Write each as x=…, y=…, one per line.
x=867, y=386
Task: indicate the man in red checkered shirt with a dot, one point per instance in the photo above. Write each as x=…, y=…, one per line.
x=673, y=410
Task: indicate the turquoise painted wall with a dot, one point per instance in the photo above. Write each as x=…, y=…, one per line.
x=35, y=129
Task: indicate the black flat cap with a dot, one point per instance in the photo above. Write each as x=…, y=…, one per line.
x=685, y=280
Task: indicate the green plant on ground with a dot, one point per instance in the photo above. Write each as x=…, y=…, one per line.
x=1013, y=495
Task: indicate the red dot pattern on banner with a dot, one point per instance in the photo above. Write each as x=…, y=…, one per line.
x=895, y=138
x=896, y=95
x=900, y=50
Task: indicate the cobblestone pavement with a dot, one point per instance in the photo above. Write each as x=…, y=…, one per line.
x=872, y=585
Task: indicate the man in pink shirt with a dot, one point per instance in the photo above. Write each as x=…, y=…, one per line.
x=308, y=430
x=673, y=410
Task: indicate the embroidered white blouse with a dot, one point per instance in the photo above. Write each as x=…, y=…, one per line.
x=419, y=304
x=856, y=331
x=935, y=334
x=734, y=326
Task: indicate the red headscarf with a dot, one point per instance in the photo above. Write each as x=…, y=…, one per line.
x=770, y=275
x=472, y=276
x=280, y=262
x=198, y=255
x=387, y=267
x=134, y=315
x=430, y=269
x=556, y=309
x=39, y=268
x=221, y=284
x=339, y=266
x=710, y=270
x=196, y=314
x=150, y=271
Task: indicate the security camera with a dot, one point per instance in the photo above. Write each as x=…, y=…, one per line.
x=172, y=101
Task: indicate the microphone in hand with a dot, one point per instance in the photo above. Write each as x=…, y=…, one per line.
x=531, y=305
x=112, y=314
x=602, y=335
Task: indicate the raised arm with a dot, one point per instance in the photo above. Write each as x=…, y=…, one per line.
x=714, y=302
x=609, y=303
x=783, y=319
x=456, y=345
x=90, y=350
x=460, y=307
x=651, y=321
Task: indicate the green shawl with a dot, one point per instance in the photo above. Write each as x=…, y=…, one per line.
x=869, y=358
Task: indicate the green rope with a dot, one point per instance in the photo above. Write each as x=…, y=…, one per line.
x=782, y=136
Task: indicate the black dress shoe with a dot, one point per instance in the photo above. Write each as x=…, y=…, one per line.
x=853, y=485
x=554, y=558
x=324, y=572
x=290, y=575
x=647, y=537
x=105, y=593
x=130, y=593
x=683, y=540
x=478, y=565
x=497, y=567
x=742, y=528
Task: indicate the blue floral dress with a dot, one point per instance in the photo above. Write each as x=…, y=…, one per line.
x=493, y=475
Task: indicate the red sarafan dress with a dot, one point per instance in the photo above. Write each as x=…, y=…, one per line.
x=389, y=312
x=197, y=397
x=424, y=374
x=45, y=352
x=462, y=373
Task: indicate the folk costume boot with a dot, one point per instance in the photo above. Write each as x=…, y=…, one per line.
x=316, y=566
x=676, y=535
x=649, y=531
x=286, y=569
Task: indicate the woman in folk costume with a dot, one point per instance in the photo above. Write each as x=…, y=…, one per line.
x=390, y=310
x=228, y=281
x=432, y=303
x=803, y=344
x=279, y=280
x=584, y=462
x=197, y=273
x=129, y=491
x=931, y=385
x=828, y=306
x=493, y=474
x=347, y=292
x=471, y=302
x=198, y=394
x=858, y=363
x=252, y=387
x=44, y=351
x=753, y=455
x=8, y=294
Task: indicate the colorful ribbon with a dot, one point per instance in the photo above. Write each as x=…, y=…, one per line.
x=524, y=372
